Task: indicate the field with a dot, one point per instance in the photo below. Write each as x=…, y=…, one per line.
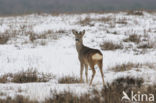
x=38, y=57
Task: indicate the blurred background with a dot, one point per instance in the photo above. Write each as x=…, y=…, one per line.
x=50, y=6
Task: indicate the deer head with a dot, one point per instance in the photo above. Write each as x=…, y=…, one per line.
x=78, y=36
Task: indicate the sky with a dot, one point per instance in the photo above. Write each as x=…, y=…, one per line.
x=49, y=6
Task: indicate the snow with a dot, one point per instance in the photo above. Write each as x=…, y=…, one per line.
x=60, y=57
x=3, y=28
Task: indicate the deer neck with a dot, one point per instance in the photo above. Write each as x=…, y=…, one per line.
x=79, y=46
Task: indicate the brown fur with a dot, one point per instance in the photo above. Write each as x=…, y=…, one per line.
x=88, y=57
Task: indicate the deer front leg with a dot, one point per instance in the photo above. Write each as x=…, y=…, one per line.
x=81, y=72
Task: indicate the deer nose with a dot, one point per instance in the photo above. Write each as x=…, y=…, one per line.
x=76, y=39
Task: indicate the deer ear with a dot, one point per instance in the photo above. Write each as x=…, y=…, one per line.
x=83, y=32
x=74, y=32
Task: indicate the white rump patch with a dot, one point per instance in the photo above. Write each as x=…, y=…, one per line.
x=97, y=56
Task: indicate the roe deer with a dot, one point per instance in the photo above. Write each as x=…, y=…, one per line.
x=88, y=57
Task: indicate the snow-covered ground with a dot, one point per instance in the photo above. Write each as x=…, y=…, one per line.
x=59, y=57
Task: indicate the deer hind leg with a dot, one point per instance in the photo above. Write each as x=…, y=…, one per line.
x=86, y=72
x=93, y=70
x=100, y=65
x=81, y=72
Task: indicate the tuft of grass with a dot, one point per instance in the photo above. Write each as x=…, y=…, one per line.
x=116, y=88
x=43, y=42
x=69, y=80
x=133, y=38
x=45, y=35
x=146, y=46
x=26, y=76
x=110, y=46
x=30, y=75
x=5, y=78
x=61, y=31
x=2, y=94
x=125, y=67
x=63, y=97
x=129, y=81
x=111, y=32
x=104, y=19
x=33, y=36
x=17, y=99
x=4, y=39
x=86, y=21
x=138, y=13
x=122, y=21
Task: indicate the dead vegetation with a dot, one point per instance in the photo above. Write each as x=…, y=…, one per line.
x=17, y=99
x=112, y=32
x=45, y=35
x=128, y=66
x=122, y=21
x=146, y=46
x=104, y=19
x=110, y=46
x=129, y=81
x=125, y=67
x=110, y=94
x=133, y=38
x=88, y=20
x=23, y=31
x=4, y=78
x=142, y=43
x=69, y=80
x=4, y=39
x=2, y=94
x=27, y=76
x=137, y=13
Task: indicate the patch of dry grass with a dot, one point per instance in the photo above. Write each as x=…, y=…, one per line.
x=125, y=67
x=61, y=31
x=104, y=19
x=25, y=77
x=46, y=35
x=2, y=94
x=133, y=38
x=110, y=46
x=5, y=78
x=88, y=20
x=30, y=75
x=17, y=99
x=129, y=81
x=122, y=21
x=26, y=30
x=33, y=36
x=69, y=80
x=137, y=13
x=110, y=94
x=146, y=46
x=4, y=39
x=112, y=32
